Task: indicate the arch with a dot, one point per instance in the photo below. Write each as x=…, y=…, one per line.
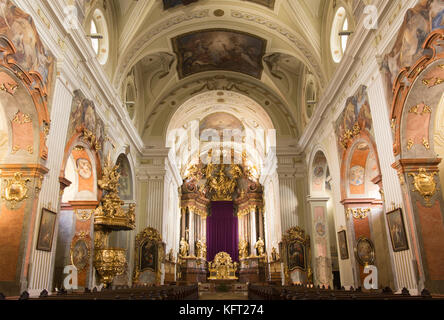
x=134, y=53
x=414, y=112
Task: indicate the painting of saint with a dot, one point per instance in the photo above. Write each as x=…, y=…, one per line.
x=125, y=181
x=84, y=168
x=343, y=248
x=419, y=21
x=365, y=251
x=219, y=49
x=296, y=256
x=148, y=256
x=31, y=54
x=357, y=175
x=46, y=231
x=80, y=254
x=397, y=230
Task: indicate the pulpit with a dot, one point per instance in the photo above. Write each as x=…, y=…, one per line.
x=222, y=269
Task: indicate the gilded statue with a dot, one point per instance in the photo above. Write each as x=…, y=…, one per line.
x=184, y=247
x=222, y=185
x=198, y=248
x=260, y=247
x=274, y=255
x=243, y=249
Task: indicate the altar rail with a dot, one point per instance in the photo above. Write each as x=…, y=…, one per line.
x=271, y=292
x=124, y=293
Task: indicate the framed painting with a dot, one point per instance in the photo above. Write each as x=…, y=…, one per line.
x=219, y=49
x=46, y=230
x=296, y=256
x=365, y=251
x=80, y=251
x=343, y=247
x=148, y=256
x=397, y=231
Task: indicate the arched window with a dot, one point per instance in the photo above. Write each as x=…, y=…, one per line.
x=339, y=34
x=98, y=33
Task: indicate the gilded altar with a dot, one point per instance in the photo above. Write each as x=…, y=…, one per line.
x=222, y=267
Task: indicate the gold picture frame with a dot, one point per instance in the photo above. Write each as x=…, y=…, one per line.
x=398, y=234
x=365, y=251
x=46, y=230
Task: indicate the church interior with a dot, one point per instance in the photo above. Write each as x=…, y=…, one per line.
x=191, y=149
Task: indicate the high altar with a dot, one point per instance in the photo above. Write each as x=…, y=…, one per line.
x=222, y=212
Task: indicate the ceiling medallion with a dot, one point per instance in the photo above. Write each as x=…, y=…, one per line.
x=219, y=13
x=425, y=184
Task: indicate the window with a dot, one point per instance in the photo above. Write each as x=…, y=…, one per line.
x=339, y=35
x=98, y=33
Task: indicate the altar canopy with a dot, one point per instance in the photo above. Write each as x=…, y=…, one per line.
x=222, y=230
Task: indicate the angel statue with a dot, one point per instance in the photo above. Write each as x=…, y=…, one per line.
x=274, y=255
x=184, y=247
x=243, y=249
x=260, y=247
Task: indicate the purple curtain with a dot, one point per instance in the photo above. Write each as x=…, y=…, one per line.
x=222, y=234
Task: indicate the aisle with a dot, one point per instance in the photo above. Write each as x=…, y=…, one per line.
x=223, y=296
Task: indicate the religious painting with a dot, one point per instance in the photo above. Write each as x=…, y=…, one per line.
x=219, y=49
x=84, y=115
x=419, y=21
x=355, y=119
x=319, y=167
x=296, y=256
x=357, y=175
x=267, y=3
x=320, y=229
x=167, y=4
x=30, y=54
x=80, y=251
x=365, y=251
x=46, y=230
x=125, y=180
x=397, y=231
x=84, y=168
x=148, y=256
x=343, y=247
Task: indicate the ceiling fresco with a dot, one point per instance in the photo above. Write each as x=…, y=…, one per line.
x=219, y=49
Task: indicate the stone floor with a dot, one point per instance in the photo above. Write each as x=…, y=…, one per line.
x=223, y=295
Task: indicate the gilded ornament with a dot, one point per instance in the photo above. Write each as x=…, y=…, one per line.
x=91, y=139
x=8, y=87
x=184, y=248
x=358, y=213
x=410, y=144
x=425, y=184
x=425, y=143
x=16, y=189
x=83, y=215
x=349, y=135
x=110, y=212
x=259, y=246
x=243, y=249
x=21, y=118
x=222, y=267
x=110, y=263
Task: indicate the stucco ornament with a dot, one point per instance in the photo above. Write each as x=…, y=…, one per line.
x=425, y=184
